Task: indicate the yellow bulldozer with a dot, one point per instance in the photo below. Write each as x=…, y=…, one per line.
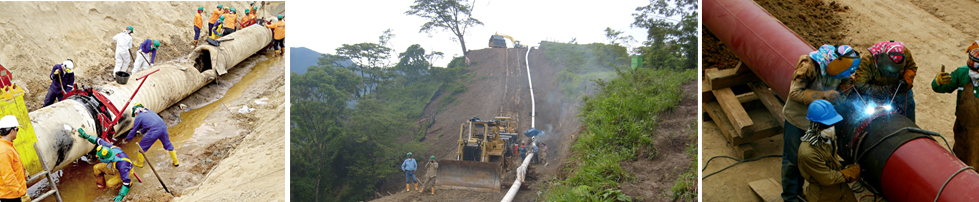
x=482, y=155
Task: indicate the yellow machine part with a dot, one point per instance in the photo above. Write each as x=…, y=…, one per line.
x=12, y=103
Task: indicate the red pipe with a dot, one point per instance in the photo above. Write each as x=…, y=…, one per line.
x=917, y=170
x=763, y=43
x=914, y=172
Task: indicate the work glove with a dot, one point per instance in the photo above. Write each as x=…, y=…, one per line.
x=92, y=139
x=845, y=85
x=851, y=173
x=904, y=86
x=943, y=77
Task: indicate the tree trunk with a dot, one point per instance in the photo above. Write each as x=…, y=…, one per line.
x=463, y=42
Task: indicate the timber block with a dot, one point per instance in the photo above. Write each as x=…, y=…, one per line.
x=734, y=111
x=768, y=189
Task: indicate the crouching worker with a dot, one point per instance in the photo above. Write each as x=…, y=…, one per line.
x=817, y=157
x=114, y=170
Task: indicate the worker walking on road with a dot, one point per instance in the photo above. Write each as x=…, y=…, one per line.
x=409, y=166
x=887, y=75
x=817, y=157
x=62, y=81
x=153, y=128
x=818, y=75
x=124, y=42
x=14, y=185
x=431, y=169
x=145, y=60
x=965, y=80
x=198, y=24
x=279, y=35
x=114, y=170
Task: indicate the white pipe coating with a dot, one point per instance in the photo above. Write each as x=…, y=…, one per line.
x=522, y=170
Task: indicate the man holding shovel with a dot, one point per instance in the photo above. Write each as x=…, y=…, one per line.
x=145, y=60
x=114, y=168
x=153, y=128
x=62, y=80
x=124, y=42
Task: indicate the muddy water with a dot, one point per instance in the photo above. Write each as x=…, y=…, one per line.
x=192, y=134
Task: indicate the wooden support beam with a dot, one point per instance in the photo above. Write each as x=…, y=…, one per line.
x=719, y=79
x=735, y=112
x=769, y=100
x=747, y=97
x=715, y=112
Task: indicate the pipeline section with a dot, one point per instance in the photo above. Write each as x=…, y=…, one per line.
x=89, y=108
x=897, y=159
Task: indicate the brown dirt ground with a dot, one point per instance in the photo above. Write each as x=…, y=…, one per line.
x=938, y=31
x=37, y=35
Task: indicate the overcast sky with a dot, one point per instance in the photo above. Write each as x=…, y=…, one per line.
x=325, y=25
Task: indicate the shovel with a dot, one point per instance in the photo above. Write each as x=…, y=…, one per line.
x=153, y=169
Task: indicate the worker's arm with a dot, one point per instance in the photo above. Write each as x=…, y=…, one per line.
x=138, y=125
x=54, y=71
x=815, y=166
x=403, y=165
x=7, y=173
x=153, y=59
x=69, y=82
x=960, y=78
x=910, y=70
x=799, y=88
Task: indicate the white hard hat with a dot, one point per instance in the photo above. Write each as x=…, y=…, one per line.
x=69, y=65
x=9, y=121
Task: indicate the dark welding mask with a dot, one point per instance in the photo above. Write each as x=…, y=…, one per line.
x=887, y=65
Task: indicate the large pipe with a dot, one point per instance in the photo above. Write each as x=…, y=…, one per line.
x=172, y=83
x=897, y=158
x=762, y=43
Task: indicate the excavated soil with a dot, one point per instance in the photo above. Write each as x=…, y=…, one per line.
x=937, y=31
x=37, y=35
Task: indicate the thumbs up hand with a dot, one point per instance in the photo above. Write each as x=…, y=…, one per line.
x=943, y=77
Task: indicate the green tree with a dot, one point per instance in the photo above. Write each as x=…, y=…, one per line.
x=414, y=63
x=615, y=37
x=368, y=61
x=452, y=15
x=670, y=43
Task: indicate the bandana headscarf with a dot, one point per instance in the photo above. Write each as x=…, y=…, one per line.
x=888, y=47
x=817, y=137
x=828, y=53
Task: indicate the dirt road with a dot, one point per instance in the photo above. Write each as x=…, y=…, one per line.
x=937, y=31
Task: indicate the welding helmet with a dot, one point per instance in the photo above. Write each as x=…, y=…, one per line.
x=847, y=61
x=823, y=112
x=890, y=62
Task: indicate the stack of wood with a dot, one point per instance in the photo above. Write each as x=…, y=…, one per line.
x=742, y=106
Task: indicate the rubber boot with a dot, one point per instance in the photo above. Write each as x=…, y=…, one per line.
x=416, y=186
x=433, y=190
x=173, y=155
x=139, y=160
x=407, y=187
x=421, y=190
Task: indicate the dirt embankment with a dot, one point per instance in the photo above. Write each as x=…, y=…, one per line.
x=937, y=31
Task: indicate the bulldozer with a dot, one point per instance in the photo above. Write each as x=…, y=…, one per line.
x=482, y=155
x=497, y=41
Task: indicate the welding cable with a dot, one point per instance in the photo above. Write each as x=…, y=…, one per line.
x=950, y=179
x=735, y=163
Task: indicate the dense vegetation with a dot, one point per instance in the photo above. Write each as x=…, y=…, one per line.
x=620, y=119
x=351, y=124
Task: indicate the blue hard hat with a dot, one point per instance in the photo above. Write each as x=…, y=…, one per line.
x=823, y=112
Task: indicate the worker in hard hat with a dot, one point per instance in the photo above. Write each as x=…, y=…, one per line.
x=146, y=55
x=214, y=18
x=431, y=169
x=153, y=128
x=821, y=74
x=231, y=21
x=115, y=168
x=124, y=42
x=198, y=24
x=219, y=25
x=13, y=177
x=247, y=19
x=279, y=36
x=887, y=75
x=523, y=151
x=543, y=153
x=817, y=157
x=534, y=148
x=965, y=80
x=409, y=166
x=62, y=81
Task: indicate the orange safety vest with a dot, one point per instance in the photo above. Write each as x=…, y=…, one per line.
x=13, y=182
x=199, y=20
x=230, y=20
x=215, y=15
x=279, y=28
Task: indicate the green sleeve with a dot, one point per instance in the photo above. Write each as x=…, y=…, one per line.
x=960, y=78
